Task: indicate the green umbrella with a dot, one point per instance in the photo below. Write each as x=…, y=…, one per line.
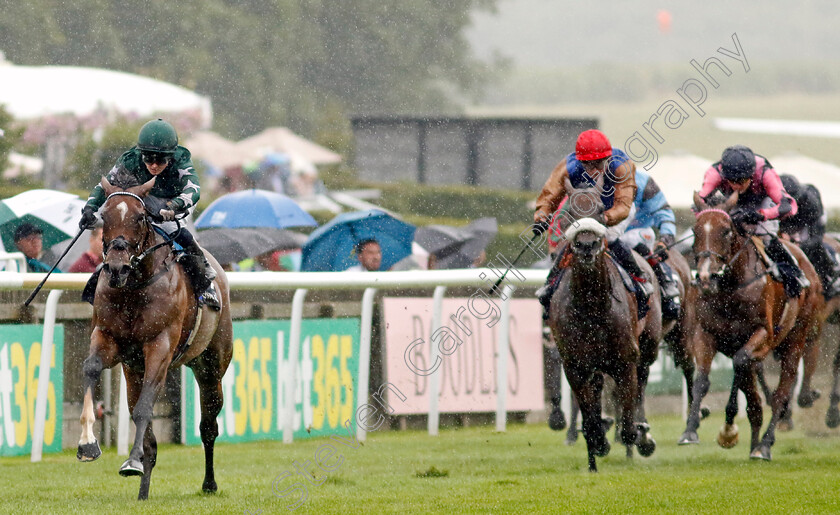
x=56, y=213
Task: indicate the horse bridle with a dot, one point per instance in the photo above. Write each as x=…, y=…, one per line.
x=136, y=259
x=727, y=264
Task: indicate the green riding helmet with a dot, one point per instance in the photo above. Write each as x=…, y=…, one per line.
x=157, y=136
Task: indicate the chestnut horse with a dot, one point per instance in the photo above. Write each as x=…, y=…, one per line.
x=736, y=310
x=146, y=317
x=594, y=322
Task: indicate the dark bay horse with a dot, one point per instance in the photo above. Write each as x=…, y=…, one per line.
x=675, y=333
x=594, y=322
x=737, y=310
x=145, y=316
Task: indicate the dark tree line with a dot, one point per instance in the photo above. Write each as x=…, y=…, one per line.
x=301, y=63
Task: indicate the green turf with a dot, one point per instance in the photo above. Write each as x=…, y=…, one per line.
x=526, y=470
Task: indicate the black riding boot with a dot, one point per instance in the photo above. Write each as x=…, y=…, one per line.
x=545, y=292
x=825, y=265
x=670, y=291
x=624, y=256
x=201, y=274
x=90, y=288
x=792, y=277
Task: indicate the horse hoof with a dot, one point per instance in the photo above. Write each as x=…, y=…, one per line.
x=646, y=446
x=607, y=423
x=762, y=452
x=603, y=450
x=88, y=451
x=131, y=467
x=209, y=487
x=832, y=417
x=728, y=436
x=571, y=438
x=689, y=438
x=557, y=419
x=704, y=412
x=806, y=398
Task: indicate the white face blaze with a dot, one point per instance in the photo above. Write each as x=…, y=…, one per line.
x=123, y=209
x=703, y=269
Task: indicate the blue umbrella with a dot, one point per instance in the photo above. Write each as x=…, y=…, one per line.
x=331, y=246
x=254, y=208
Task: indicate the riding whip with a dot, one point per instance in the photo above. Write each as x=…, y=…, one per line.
x=502, y=278
x=38, y=288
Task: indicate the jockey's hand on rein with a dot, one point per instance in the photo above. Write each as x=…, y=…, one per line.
x=540, y=227
x=168, y=213
x=747, y=217
x=88, y=218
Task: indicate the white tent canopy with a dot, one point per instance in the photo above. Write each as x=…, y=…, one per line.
x=679, y=175
x=825, y=176
x=37, y=91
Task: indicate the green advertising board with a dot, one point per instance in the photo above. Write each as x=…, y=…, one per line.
x=20, y=359
x=254, y=385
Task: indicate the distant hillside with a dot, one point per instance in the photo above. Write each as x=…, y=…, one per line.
x=548, y=33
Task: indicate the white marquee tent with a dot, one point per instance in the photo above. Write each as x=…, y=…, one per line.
x=680, y=174
x=37, y=91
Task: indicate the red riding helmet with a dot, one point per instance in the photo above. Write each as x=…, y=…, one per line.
x=592, y=145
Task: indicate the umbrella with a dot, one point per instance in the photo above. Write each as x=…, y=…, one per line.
x=457, y=247
x=254, y=208
x=55, y=212
x=234, y=245
x=331, y=246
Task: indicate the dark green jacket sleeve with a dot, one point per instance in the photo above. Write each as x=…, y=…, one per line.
x=178, y=183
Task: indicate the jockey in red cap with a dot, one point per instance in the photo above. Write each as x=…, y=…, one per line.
x=595, y=159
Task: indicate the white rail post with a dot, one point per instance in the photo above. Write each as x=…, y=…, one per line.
x=291, y=372
x=502, y=349
x=44, y=375
x=364, y=357
x=122, y=418
x=434, y=377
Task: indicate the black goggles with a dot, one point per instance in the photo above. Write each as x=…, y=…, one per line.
x=150, y=158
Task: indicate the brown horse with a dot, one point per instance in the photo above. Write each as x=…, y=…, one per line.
x=737, y=311
x=675, y=332
x=594, y=322
x=145, y=316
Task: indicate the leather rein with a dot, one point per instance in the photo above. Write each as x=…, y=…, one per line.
x=135, y=260
x=727, y=265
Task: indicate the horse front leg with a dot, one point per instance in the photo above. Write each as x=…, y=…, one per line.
x=157, y=358
x=705, y=352
x=626, y=384
x=728, y=434
x=810, y=357
x=587, y=385
x=102, y=354
x=781, y=399
x=554, y=371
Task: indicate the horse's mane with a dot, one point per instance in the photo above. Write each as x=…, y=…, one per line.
x=120, y=177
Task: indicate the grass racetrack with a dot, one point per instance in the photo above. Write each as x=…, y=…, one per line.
x=526, y=470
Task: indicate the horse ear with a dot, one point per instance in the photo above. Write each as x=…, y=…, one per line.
x=731, y=202
x=107, y=186
x=144, y=189
x=699, y=202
